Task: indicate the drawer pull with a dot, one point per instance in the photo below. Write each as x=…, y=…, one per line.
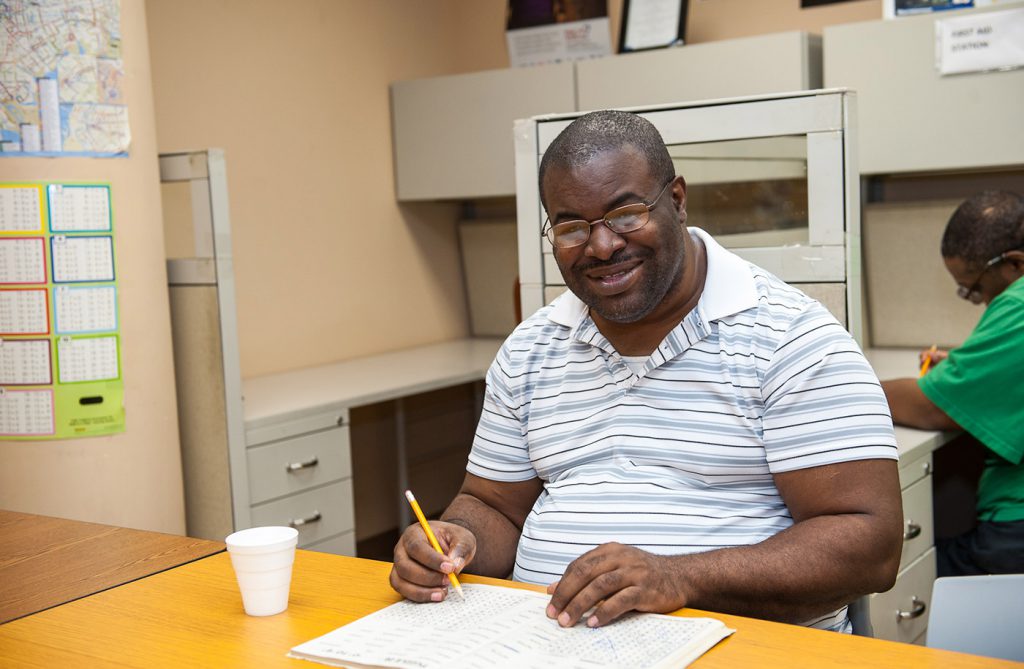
x=927, y=468
x=913, y=531
x=296, y=466
x=299, y=522
x=917, y=611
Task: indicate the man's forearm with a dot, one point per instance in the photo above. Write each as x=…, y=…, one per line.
x=496, y=536
x=910, y=406
x=806, y=571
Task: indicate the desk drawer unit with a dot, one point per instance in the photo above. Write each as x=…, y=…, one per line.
x=293, y=465
x=300, y=475
x=901, y=614
x=317, y=514
x=917, y=561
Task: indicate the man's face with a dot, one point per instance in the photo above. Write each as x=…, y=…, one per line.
x=623, y=278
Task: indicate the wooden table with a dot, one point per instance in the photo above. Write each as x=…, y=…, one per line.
x=192, y=616
x=49, y=561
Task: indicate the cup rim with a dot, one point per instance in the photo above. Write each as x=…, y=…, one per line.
x=262, y=539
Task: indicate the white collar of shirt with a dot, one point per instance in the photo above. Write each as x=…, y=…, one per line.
x=728, y=288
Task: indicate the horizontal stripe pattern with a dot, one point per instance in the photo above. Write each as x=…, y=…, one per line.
x=678, y=457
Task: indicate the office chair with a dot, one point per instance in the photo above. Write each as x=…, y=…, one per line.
x=978, y=614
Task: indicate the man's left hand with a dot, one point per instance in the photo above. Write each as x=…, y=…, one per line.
x=615, y=579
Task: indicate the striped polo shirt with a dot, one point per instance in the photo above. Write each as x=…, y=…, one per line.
x=677, y=457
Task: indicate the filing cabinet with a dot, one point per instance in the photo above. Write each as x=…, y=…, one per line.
x=300, y=475
x=901, y=613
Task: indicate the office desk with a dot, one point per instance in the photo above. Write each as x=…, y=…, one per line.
x=49, y=561
x=303, y=415
x=895, y=363
x=366, y=380
x=192, y=616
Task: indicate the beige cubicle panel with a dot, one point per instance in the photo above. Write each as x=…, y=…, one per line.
x=489, y=266
x=197, y=338
x=780, y=62
x=911, y=118
x=912, y=299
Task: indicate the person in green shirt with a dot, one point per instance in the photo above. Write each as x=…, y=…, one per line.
x=979, y=386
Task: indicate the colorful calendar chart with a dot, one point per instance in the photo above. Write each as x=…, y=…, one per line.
x=60, y=344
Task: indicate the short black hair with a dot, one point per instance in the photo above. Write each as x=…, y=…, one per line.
x=985, y=225
x=601, y=131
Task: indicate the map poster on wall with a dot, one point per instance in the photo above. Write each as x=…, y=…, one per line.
x=61, y=79
x=60, y=343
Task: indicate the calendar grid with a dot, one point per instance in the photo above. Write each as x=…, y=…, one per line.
x=60, y=343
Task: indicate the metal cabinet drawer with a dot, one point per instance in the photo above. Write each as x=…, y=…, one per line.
x=317, y=514
x=343, y=544
x=918, y=524
x=285, y=467
x=901, y=614
x=915, y=470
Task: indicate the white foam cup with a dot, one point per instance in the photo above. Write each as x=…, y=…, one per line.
x=262, y=558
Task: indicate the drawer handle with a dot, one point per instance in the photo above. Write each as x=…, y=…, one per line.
x=296, y=466
x=917, y=611
x=927, y=468
x=913, y=531
x=299, y=522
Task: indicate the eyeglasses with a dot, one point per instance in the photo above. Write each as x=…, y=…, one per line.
x=972, y=294
x=628, y=218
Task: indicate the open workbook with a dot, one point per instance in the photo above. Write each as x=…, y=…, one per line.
x=505, y=627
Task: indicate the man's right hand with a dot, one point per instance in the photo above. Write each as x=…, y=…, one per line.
x=936, y=356
x=420, y=573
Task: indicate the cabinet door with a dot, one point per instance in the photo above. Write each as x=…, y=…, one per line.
x=453, y=135
x=776, y=63
x=911, y=118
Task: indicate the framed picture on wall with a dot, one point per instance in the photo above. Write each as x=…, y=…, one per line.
x=652, y=24
x=556, y=31
x=815, y=3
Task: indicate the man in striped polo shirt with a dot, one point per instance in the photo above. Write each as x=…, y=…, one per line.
x=680, y=429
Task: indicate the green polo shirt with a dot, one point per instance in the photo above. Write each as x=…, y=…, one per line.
x=981, y=386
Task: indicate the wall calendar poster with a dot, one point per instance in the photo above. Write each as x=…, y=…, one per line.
x=60, y=345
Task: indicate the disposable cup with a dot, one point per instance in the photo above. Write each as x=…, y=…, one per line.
x=262, y=558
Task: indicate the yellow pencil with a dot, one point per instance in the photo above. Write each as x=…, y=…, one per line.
x=927, y=361
x=433, y=540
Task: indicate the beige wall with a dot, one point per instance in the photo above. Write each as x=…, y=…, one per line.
x=711, y=20
x=131, y=479
x=327, y=265
x=480, y=24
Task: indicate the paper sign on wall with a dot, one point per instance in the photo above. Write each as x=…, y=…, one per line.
x=60, y=347
x=980, y=42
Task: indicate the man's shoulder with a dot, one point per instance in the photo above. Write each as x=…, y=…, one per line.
x=539, y=332
x=779, y=302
